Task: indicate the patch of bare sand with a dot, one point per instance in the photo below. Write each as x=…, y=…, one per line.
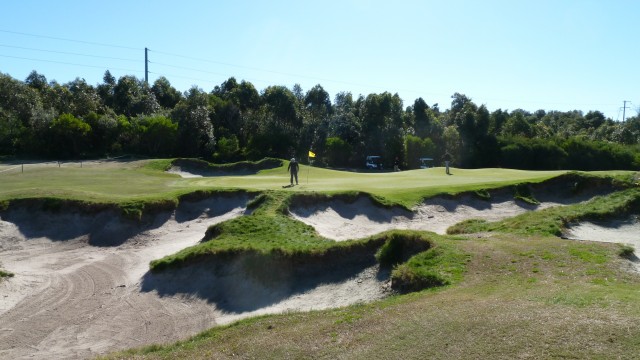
x=340, y=220
x=184, y=174
x=82, y=285
x=622, y=231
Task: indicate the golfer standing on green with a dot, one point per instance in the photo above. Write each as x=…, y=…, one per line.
x=293, y=169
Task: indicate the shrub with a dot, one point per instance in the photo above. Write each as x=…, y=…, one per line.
x=626, y=251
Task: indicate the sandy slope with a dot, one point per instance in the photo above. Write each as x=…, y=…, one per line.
x=82, y=285
x=340, y=220
x=623, y=231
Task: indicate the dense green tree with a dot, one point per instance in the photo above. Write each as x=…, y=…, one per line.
x=157, y=135
x=37, y=81
x=227, y=149
x=133, y=97
x=422, y=118
x=452, y=144
x=84, y=98
x=166, y=95
x=276, y=125
x=416, y=148
x=104, y=132
x=195, y=129
x=105, y=90
x=68, y=137
x=337, y=152
x=381, y=117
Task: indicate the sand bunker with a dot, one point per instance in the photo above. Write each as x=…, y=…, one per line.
x=183, y=173
x=82, y=285
x=622, y=231
x=341, y=220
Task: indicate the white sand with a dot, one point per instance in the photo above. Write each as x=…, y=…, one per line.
x=73, y=297
x=82, y=285
x=625, y=231
x=339, y=220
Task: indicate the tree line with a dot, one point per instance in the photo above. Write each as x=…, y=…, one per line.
x=234, y=121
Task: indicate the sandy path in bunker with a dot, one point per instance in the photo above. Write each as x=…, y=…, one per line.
x=73, y=297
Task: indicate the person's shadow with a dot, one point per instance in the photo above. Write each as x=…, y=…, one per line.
x=288, y=186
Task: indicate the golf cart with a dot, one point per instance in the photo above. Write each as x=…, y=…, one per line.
x=426, y=163
x=374, y=162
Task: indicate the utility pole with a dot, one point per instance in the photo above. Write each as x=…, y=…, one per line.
x=146, y=66
x=624, y=109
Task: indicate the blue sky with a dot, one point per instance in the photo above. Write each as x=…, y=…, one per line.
x=551, y=55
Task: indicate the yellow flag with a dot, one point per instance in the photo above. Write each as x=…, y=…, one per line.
x=312, y=154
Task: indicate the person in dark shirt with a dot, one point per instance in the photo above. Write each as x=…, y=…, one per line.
x=293, y=170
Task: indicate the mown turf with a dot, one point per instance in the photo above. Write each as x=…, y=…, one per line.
x=146, y=180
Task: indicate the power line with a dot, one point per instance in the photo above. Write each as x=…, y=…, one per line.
x=278, y=72
x=70, y=40
x=67, y=63
x=69, y=53
x=421, y=93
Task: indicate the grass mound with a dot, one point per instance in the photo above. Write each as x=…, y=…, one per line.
x=552, y=221
x=269, y=234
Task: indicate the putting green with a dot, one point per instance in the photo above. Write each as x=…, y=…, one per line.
x=121, y=181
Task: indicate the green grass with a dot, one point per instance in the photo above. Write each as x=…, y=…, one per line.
x=432, y=260
x=146, y=180
x=536, y=297
x=551, y=221
x=5, y=274
x=512, y=288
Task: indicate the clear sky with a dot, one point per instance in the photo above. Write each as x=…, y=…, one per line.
x=508, y=54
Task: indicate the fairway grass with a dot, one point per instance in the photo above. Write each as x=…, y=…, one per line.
x=146, y=180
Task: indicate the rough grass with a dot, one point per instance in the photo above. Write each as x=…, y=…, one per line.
x=515, y=291
x=521, y=297
x=552, y=221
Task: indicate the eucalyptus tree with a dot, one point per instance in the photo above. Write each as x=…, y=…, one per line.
x=234, y=104
x=344, y=124
x=276, y=125
x=166, y=95
x=317, y=112
x=195, y=129
x=37, y=81
x=381, y=117
x=84, y=98
x=132, y=97
x=106, y=89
